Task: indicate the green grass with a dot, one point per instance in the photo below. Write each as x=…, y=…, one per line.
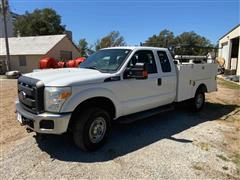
x=222, y=157
x=197, y=167
x=228, y=84
x=236, y=160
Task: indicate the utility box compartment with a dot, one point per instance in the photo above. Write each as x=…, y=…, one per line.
x=190, y=76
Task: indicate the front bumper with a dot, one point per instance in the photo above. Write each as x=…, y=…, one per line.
x=35, y=122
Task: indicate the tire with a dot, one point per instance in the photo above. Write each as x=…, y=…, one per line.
x=197, y=103
x=91, y=128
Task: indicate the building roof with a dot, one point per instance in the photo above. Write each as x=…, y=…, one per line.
x=229, y=31
x=32, y=45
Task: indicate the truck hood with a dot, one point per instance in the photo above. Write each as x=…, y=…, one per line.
x=68, y=76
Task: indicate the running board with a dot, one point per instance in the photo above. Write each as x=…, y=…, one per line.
x=145, y=114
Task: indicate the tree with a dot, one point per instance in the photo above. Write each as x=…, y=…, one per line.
x=83, y=46
x=39, y=22
x=164, y=39
x=192, y=44
x=112, y=39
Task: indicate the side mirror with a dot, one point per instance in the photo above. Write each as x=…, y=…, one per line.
x=139, y=71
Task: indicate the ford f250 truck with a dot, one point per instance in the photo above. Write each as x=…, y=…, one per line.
x=120, y=83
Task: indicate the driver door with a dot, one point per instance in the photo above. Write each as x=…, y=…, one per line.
x=138, y=95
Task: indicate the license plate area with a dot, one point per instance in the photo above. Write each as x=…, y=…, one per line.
x=19, y=118
x=25, y=121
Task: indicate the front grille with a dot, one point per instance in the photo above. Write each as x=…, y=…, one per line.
x=31, y=94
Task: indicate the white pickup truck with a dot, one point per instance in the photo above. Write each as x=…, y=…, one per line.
x=120, y=83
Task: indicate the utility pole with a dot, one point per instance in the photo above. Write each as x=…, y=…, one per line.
x=4, y=10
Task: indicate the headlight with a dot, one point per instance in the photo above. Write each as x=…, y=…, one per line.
x=54, y=97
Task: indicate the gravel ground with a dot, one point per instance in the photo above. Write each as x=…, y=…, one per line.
x=173, y=145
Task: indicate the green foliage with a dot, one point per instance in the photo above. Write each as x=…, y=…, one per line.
x=112, y=39
x=39, y=22
x=191, y=43
x=83, y=46
x=164, y=39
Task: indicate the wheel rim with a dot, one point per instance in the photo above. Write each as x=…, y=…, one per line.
x=199, y=100
x=97, y=130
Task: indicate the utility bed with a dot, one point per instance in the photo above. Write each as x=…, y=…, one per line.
x=191, y=75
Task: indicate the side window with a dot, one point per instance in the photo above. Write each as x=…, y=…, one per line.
x=147, y=57
x=22, y=60
x=164, y=61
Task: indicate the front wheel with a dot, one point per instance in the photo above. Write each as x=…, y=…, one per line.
x=198, y=101
x=91, y=128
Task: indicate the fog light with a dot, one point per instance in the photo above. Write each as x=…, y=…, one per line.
x=46, y=124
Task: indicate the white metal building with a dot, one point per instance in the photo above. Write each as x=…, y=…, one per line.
x=25, y=52
x=229, y=49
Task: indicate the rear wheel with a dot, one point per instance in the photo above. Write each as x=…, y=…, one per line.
x=91, y=128
x=198, y=101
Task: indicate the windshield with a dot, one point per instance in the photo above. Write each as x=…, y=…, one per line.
x=106, y=60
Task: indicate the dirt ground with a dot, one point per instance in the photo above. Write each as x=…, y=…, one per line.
x=173, y=145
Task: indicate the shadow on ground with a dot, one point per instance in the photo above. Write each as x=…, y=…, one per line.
x=125, y=139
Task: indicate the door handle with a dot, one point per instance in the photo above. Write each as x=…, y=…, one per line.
x=159, y=81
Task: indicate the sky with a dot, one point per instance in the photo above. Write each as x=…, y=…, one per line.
x=137, y=20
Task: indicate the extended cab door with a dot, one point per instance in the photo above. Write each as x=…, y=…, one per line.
x=168, y=76
x=138, y=95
